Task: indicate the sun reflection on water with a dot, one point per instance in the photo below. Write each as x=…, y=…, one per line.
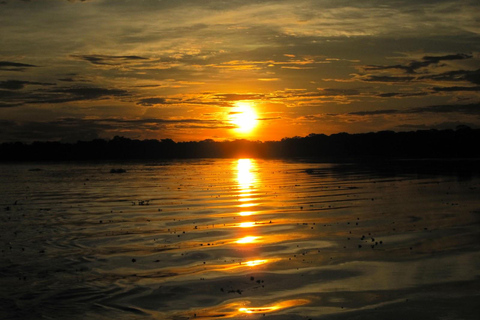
x=245, y=176
x=247, y=239
x=255, y=263
x=244, y=264
x=247, y=224
x=242, y=309
x=247, y=184
x=275, y=307
x=246, y=213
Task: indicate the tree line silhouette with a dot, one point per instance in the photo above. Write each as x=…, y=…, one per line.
x=459, y=143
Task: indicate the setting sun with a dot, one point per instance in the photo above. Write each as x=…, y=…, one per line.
x=244, y=117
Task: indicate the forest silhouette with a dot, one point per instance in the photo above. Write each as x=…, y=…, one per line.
x=459, y=143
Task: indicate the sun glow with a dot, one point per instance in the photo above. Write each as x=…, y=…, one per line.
x=244, y=117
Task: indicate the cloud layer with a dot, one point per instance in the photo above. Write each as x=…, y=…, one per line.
x=156, y=69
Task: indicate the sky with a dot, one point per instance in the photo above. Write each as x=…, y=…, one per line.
x=173, y=69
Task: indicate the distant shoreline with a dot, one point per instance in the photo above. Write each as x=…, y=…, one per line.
x=424, y=144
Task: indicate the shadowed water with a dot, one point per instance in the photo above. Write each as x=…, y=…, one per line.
x=241, y=239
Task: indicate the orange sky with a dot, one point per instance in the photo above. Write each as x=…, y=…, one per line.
x=79, y=70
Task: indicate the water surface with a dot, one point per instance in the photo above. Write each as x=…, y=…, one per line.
x=237, y=238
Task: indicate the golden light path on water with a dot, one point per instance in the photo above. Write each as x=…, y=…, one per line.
x=247, y=186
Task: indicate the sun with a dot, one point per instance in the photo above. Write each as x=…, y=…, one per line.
x=244, y=117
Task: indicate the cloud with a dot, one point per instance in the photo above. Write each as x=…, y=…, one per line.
x=338, y=92
x=469, y=109
x=8, y=105
x=99, y=59
x=373, y=78
x=426, y=70
x=58, y=130
x=166, y=60
x=57, y=95
x=401, y=94
x=472, y=76
x=301, y=63
x=17, y=84
x=374, y=113
x=15, y=66
x=91, y=92
x=437, y=126
x=269, y=119
x=120, y=61
x=74, y=129
x=238, y=97
x=152, y=101
x=452, y=89
x=426, y=61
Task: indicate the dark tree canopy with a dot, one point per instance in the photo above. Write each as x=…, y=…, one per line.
x=459, y=143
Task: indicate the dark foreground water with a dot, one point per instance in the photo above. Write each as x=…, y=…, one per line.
x=239, y=239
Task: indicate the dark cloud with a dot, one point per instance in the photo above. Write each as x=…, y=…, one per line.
x=152, y=101
x=98, y=59
x=339, y=92
x=437, y=59
x=402, y=94
x=469, y=109
x=74, y=129
x=397, y=66
x=58, y=95
x=452, y=89
x=438, y=126
x=237, y=97
x=66, y=130
x=89, y=93
x=425, y=62
x=8, y=105
x=14, y=66
x=194, y=126
x=373, y=113
x=472, y=76
x=428, y=60
x=134, y=123
x=373, y=78
x=268, y=119
x=310, y=117
x=17, y=84
x=7, y=94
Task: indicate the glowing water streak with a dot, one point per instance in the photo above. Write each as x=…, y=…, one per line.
x=275, y=307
